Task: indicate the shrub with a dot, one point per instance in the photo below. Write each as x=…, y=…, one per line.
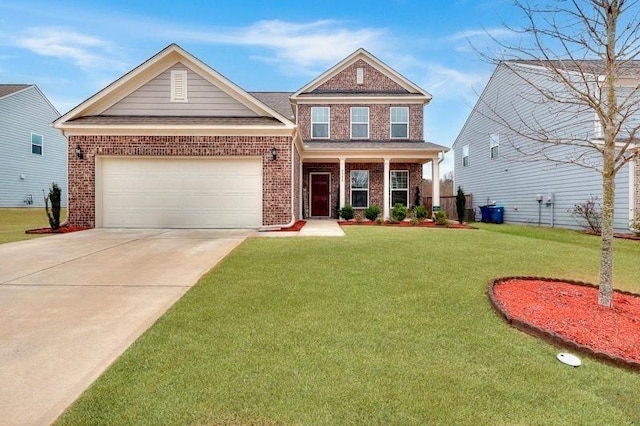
x=54, y=213
x=461, y=201
x=441, y=218
x=347, y=212
x=417, y=197
x=589, y=214
x=415, y=221
x=420, y=212
x=399, y=212
x=379, y=220
x=634, y=225
x=372, y=212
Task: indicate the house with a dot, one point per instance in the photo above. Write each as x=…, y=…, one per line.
x=175, y=144
x=489, y=151
x=32, y=153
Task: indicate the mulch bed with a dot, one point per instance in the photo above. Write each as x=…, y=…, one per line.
x=567, y=313
x=64, y=229
x=627, y=236
x=295, y=227
x=406, y=224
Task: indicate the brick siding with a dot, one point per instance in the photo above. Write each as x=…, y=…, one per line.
x=276, y=182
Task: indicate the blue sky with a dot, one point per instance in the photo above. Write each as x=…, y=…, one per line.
x=72, y=49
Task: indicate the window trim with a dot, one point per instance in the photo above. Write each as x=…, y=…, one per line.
x=174, y=79
x=351, y=188
x=351, y=122
x=328, y=123
x=391, y=122
x=391, y=189
x=494, y=142
x=41, y=144
x=465, y=156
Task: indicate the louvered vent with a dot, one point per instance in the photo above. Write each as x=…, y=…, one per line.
x=178, y=86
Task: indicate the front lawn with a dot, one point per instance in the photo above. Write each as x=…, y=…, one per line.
x=14, y=221
x=383, y=326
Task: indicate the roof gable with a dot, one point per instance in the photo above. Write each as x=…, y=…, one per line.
x=377, y=77
x=112, y=98
x=10, y=89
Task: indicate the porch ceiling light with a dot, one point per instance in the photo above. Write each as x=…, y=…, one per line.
x=274, y=153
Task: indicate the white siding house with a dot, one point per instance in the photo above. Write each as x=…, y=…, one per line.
x=490, y=165
x=32, y=153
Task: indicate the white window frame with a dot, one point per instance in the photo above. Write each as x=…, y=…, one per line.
x=175, y=95
x=391, y=122
x=352, y=122
x=358, y=189
x=41, y=145
x=392, y=189
x=465, y=156
x=494, y=146
x=328, y=122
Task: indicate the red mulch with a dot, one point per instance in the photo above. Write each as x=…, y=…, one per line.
x=571, y=311
x=295, y=227
x=64, y=229
x=404, y=224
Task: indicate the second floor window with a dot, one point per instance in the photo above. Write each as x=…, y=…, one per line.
x=399, y=122
x=36, y=144
x=494, y=143
x=319, y=122
x=465, y=156
x=359, y=123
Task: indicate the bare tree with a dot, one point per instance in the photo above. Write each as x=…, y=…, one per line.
x=577, y=59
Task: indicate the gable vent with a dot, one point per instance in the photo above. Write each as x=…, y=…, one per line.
x=359, y=75
x=179, y=86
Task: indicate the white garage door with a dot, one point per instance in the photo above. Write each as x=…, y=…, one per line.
x=179, y=193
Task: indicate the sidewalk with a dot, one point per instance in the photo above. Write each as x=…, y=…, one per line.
x=313, y=228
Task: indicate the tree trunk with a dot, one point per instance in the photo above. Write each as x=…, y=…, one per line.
x=605, y=290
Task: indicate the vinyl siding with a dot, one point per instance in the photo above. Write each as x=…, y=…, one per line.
x=21, y=114
x=513, y=181
x=204, y=99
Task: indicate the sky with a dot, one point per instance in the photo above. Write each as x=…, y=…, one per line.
x=73, y=49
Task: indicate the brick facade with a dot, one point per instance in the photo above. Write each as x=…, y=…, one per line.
x=637, y=186
x=379, y=121
x=276, y=182
x=374, y=81
x=376, y=182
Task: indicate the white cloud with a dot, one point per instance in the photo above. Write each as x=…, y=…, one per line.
x=298, y=45
x=83, y=50
x=492, y=33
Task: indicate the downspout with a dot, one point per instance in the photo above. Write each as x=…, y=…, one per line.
x=293, y=191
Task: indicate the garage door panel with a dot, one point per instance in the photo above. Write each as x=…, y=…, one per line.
x=181, y=193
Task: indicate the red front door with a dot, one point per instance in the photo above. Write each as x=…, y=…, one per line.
x=320, y=194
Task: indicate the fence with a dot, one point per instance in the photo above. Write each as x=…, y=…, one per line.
x=448, y=204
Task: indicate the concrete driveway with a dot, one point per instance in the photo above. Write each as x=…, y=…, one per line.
x=71, y=304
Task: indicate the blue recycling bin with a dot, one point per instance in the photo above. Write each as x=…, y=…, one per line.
x=497, y=214
x=484, y=211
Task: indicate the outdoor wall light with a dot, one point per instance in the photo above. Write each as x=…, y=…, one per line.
x=274, y=153
x=79, y=153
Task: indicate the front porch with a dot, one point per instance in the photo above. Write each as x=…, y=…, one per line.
x=328, y=184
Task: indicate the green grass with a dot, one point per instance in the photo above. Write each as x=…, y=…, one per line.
x=15, y=221
x=384, y=326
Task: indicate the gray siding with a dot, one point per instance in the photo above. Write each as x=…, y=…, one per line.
x=204, y=99
x=513, y=181
x=21, y=172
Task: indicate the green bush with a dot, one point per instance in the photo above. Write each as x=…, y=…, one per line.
x=441, y=218
x=347, y=212
x=399, y=212
x=461, y=201
x=372, y=212
x=420, y=212
x=55, y=195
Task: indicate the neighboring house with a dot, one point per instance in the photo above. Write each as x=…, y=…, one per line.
x=175, y=144
x=32, y=153
x=488, y=163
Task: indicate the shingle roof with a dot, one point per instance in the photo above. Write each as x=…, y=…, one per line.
x=7, y=89
x=375, y=145
x=128, y=120
x=277, y=101
x=625, y=68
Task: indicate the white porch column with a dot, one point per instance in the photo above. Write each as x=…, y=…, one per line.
x=385, y=208
x=435, y=179
x=342, y=182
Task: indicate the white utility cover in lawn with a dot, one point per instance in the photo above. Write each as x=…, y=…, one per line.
x=142, y=192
